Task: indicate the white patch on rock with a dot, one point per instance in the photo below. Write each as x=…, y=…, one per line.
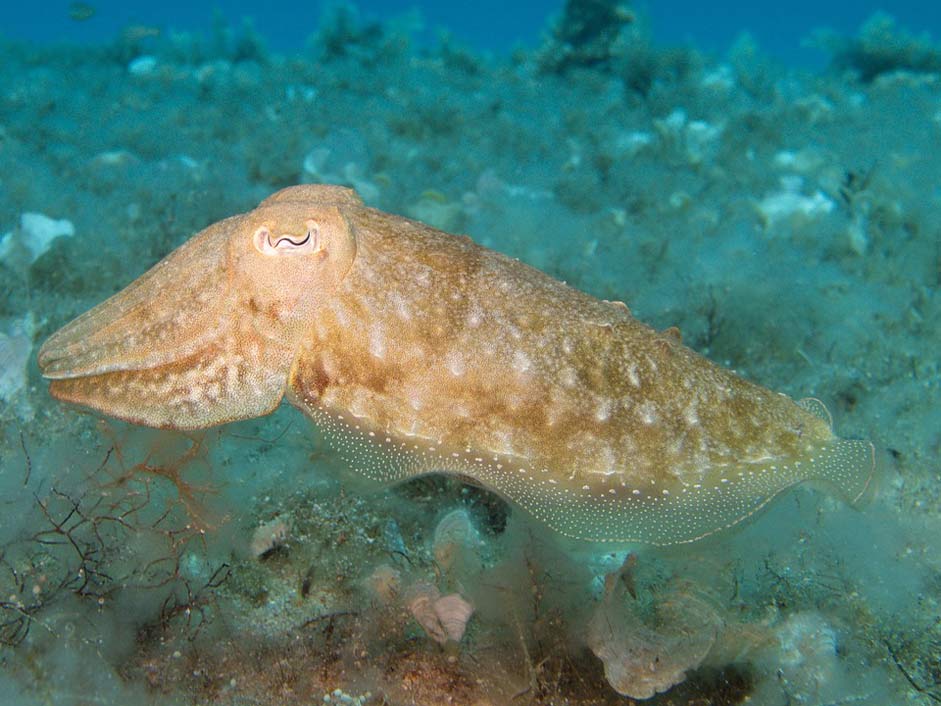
x=16, y=345
x=789, y=203
x=35, y=235
x=142, y=66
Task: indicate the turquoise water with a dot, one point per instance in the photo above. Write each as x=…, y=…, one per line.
x=781, y=30
x=784, y=218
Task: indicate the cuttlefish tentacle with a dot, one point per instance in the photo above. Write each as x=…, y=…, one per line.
x=419, y=351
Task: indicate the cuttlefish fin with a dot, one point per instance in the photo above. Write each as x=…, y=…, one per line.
x=724, y=498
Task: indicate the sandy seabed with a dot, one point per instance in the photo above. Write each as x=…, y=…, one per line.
x=787, y=222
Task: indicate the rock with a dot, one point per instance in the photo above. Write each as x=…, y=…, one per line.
x=646, y=653
x=435, y=209
x=15, y=348
x=268, y=537
x=789, y=204
x=35, y=235
x=142, y=65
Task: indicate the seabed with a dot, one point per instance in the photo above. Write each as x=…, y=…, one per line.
x=786, y=221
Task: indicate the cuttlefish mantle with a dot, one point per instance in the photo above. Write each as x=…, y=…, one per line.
x=419, y=351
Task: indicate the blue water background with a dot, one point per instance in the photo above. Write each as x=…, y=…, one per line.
x=781, y=29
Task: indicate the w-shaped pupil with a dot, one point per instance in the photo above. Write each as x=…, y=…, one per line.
x=285, y=239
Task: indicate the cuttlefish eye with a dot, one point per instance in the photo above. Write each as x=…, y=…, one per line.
x=269, y=243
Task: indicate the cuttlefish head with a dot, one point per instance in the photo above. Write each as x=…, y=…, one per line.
x=209, y=334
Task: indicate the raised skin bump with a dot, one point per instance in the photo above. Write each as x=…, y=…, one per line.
x=420, y=351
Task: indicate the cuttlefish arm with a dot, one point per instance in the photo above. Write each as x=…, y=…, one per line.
x=420, y=351
x=209, y=334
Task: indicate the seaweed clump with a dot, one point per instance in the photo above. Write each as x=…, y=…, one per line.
x=881, y=47
x=120, y=534
x=608, y=37
x=589, y=34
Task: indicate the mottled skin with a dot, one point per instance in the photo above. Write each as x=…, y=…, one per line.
x=423, y=351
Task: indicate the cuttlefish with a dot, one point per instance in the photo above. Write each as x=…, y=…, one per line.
x=418, y=351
